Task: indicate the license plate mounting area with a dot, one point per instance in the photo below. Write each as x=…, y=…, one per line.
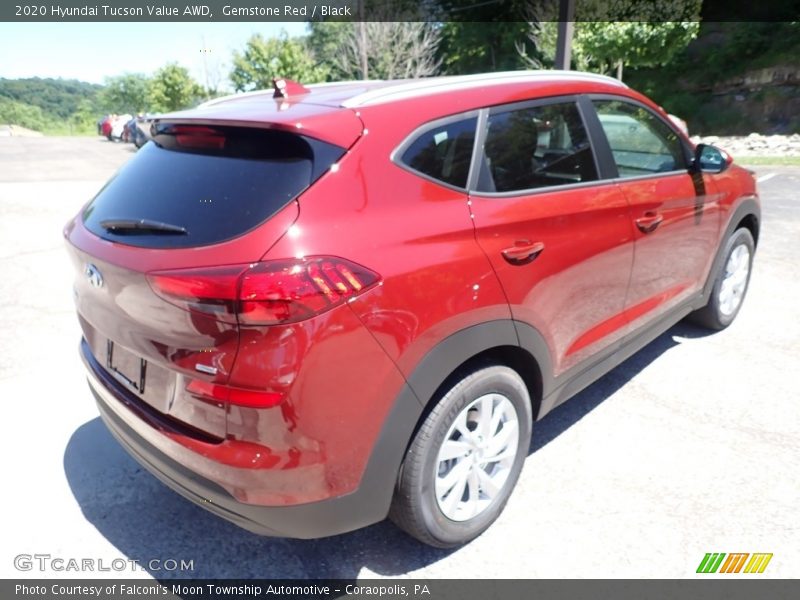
x=126, y=367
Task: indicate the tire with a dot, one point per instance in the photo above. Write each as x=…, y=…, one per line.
x=730, y=284
x=425, y=505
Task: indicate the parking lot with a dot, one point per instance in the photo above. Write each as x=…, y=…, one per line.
x=691, y=446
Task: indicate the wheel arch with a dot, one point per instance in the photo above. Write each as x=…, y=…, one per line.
x=501, y=342
x=751, y=222
x=747, y=214
x=491, y=342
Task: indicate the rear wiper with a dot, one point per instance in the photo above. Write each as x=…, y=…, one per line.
x=141, y=226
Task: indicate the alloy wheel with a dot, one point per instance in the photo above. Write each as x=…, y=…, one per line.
x=734, y=282
x=476, y=457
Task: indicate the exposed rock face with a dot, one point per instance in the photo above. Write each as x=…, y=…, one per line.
x=778, y=75
x=755, y=144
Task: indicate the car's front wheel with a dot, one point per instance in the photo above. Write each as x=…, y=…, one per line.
x=465, y=459
x=730, y=284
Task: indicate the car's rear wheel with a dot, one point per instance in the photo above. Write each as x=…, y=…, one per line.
x=730, y=284
x=465, y=459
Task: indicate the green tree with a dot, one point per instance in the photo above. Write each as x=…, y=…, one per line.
x=84, y=120
x=172, y=88
x=13, y=112
x=469, y=47
x=264, y=59
x=56, y=97
x=325, y=40
x=608, y=46
x=482, y=37
x=126, y=93
x=634, y=33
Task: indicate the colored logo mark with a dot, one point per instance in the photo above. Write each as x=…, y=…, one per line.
x=717, y=562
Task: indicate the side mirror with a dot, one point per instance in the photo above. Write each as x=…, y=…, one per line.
x=710, y=159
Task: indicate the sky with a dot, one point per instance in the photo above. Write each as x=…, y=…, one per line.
x=93, y=51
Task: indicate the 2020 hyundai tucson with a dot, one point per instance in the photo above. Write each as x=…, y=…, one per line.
x=323, y=305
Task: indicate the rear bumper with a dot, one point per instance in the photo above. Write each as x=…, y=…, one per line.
x=368, y=504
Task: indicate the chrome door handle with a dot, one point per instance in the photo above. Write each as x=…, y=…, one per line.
x=522, y=252
x=649, y=222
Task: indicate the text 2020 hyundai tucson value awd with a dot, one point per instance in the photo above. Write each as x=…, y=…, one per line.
x=321, y=306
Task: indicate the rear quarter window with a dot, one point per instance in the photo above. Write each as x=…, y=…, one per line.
x=214, y=183
x=443, y=152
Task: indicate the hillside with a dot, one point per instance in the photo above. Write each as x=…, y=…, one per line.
x=734, y=79
x=58, y=106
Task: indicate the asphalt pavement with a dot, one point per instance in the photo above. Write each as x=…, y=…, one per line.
x=691, y=446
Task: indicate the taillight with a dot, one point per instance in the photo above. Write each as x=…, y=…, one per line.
x=265, y=293
x=234, y=395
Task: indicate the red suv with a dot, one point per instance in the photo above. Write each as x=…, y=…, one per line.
x=311, y=308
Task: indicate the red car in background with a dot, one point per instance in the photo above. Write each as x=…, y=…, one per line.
x=105, y=126
x=113, y=126
x=321, y=306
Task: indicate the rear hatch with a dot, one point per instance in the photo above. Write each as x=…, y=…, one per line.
x=197, y=196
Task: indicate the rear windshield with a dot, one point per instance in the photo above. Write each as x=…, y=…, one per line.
x=196, y=185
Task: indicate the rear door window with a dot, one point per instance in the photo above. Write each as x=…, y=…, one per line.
x=195, y=185
x=535, y=147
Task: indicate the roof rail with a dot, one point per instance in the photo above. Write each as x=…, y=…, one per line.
x=333, y=84
x=423, y=86
x=271, y=92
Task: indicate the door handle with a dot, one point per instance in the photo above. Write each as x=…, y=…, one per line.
x=649, y=222
x=522, y=252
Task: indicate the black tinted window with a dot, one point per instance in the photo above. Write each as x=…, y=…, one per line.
x=444, y=152
x=215, y=183
x=640, y=142
x=536, y=147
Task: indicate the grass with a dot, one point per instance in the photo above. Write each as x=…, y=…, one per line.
x=67, y=132
x=778, y=161
x=62, y=128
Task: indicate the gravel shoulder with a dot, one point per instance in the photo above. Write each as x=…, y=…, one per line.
x=755, y=144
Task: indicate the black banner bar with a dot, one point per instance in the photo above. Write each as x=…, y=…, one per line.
x=728, y=588
x=393, y=10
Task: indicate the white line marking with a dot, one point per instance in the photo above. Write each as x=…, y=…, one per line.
x=766, y=177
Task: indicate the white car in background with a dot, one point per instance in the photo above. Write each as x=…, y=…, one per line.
x=118, y=126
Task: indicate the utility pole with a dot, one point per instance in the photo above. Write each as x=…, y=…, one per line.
x=566, y=25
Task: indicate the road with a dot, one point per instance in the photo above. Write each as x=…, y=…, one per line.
x=691, y=446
